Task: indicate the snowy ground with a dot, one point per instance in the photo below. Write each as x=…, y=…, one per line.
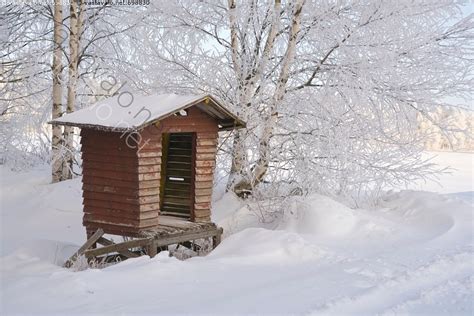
x=411, y=255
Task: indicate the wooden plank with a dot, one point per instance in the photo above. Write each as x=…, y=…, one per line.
x=108, y=158
x=206, y=149
x=113, y=212
x=149, y=176
x=133, y=184
x=178, y=193
x=129, y=214
x=177, y=145
x=119, y=223
x=202, y=206
x=204, y=178
x=167, y=209
x=110, y=219
x=179, y=164
x=203, y=198
x=141, y=242
x=111, y=189
x=204, y=171
x=118, y=149
x=206, y=135
x=119, y=198
x=206, y=157
x=206, y=142
x=188, y=128
x=203, y=185
x=149, y=207
x=182, y=215
x=152, y=250
x=92, y=240
x=105, y=242
x=135, y=192
x=130, y=165
x=158, y=242
x=200, y=192
x=205, y=163
x=179, y=151
x=183, y=159
x=174, y=222
x=149, y=184
x=148, y=154
x=111, y=168
x=178, y=173
x=178, y=186
x=110, y=205
x=109, y=151
x=216, y=240
x=174, y=239
x=115, y=230
x=123, y=176
x=203, y=212
x=176, y=201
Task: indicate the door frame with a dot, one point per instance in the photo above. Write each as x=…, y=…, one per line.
x=165, y=138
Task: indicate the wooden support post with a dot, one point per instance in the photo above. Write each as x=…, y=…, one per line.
x=141, y=242
x=171, y=239
x=91, y=241
x=89, y=234
x=152, y=249
x=216, y=240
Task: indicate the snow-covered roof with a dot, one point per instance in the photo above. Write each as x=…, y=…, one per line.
x=130, y=112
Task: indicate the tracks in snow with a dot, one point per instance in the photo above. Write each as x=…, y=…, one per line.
x=409, y=286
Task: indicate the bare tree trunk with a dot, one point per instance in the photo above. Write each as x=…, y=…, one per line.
x=261, y=166
x=57, y=95
x=75, y=30
x=247, y=87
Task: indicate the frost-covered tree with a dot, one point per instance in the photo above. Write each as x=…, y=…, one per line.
x=331, y=90
x=53, y=59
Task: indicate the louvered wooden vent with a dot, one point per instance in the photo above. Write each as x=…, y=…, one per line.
x=177, y=192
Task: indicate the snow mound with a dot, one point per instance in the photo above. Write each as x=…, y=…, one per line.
x=412, y=254
x=427, y=215
x=321, y=216
x=259, y=245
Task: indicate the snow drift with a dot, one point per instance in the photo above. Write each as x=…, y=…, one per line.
x=413, y=254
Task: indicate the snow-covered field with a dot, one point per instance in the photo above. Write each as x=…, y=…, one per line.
x=413, y=254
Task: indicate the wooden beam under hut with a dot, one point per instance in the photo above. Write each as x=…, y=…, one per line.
x=171, y=232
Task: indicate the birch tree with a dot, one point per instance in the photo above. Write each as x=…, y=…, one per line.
x=90, y=50
x=269, y=124
x=57, y=138
x=332, y=91
x=331, y=94
x=75, y=26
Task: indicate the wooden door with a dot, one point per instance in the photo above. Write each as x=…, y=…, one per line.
x=177, y=185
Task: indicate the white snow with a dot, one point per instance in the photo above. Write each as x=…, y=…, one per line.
x=413, y=254
x=128, y=110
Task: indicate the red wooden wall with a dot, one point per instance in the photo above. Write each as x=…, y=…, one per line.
x=122, y=172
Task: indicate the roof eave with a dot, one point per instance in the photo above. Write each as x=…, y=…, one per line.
x=238, y=123
x=95, y=126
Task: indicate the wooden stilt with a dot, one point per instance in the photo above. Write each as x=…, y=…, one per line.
x=91, y=241
x=216, y=240
x=152, y=250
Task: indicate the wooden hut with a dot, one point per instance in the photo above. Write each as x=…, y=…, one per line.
x=148, y=163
